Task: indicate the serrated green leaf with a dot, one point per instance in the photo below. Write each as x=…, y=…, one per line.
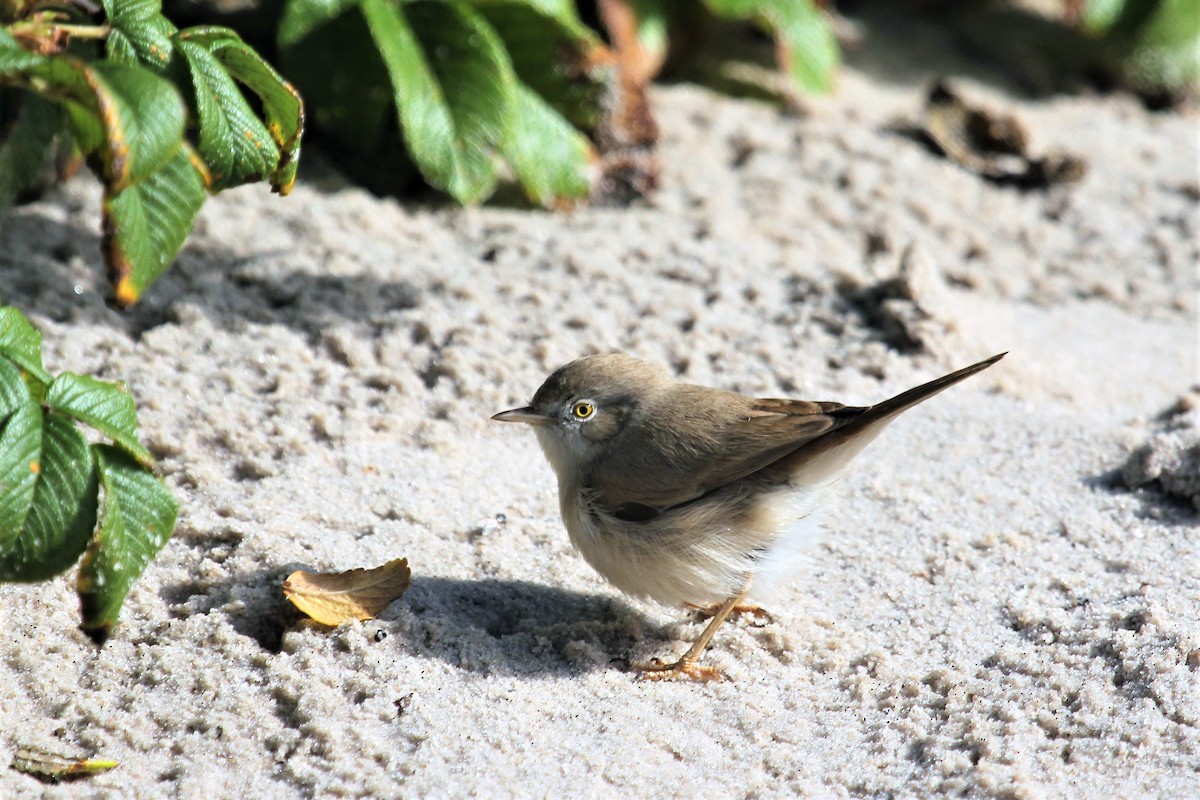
x=63, y=513
x=808, y=50
x=21, y=343
x=20, y=450
x=234, y=144
x=283, y=110
x=107, y=407
x=453, y=86
x=302, y=17
x=138, y=26
x=137, y=519
x=14, y=391
x=26, y=149
x=146, y=224
x=143, y=117
x=132, y=118
x=120, y=50
x=550, y=157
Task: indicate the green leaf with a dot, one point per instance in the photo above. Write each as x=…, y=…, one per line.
x=550, y=157
x=130, y=116
x=234, y=144
x=20, y=450
x=107, y=407
x=64, y=80
x=143, y=117
x=808, y=49
x=14, y=391
x=137, y=519
x=63, y=513
x=282, y=107
x=552, y=54
x=26, y=149
x=21, y=343
x=140, y=32
x=120, y=50
x=453, y=87
x=146, y=224
x=302, y=17
x=50, y=480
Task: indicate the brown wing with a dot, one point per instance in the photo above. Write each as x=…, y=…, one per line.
x=771, y=429
x=657, y=468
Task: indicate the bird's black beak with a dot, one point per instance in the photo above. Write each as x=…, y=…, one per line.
x=526, y=415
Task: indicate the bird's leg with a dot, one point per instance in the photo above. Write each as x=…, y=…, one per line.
x=688, y=665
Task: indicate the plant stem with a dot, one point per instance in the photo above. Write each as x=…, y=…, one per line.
x=85, y=31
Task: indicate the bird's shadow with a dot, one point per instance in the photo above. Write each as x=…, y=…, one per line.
x=484, y=626
x=516, y=627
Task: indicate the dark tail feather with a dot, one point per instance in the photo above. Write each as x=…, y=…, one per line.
x=892, y=407
x=825, y=457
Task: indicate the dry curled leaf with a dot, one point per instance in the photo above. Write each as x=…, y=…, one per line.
x=332, y=598
x=52, y=767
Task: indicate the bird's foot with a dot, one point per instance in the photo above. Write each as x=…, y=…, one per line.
x=760, y=617
x=659, y=670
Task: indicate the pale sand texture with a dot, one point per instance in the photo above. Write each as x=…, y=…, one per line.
x=993, y=614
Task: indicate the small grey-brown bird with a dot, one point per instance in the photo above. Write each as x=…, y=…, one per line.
x=695, y=496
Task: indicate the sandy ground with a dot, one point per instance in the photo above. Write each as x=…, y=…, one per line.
x=993, y=612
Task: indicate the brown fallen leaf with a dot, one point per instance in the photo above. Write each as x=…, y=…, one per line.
x=332, y=598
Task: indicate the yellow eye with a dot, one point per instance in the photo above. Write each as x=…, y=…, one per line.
x=583, y=409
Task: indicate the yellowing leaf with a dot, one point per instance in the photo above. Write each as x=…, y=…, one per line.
x=52, y=767
x=332, y=598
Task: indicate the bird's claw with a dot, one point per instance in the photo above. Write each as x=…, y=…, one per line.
x=659, y=670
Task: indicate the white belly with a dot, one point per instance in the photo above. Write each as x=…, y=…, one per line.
x=696, y=555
